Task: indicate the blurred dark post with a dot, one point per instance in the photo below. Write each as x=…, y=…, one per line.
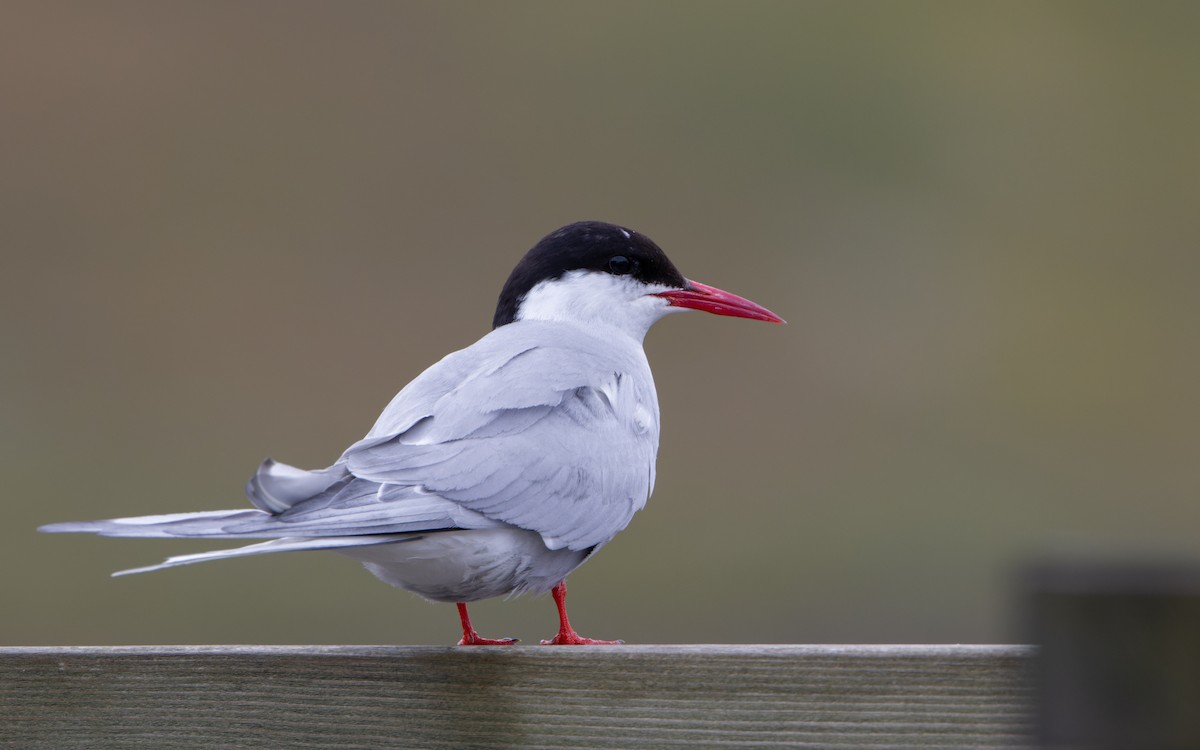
x=1119, y=654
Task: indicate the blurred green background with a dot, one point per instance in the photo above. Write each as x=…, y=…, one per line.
x=232, y=230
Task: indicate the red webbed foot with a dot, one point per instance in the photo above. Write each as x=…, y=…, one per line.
x=471, y=638
x=474, y=639
x=575, y=639
x=566, y=634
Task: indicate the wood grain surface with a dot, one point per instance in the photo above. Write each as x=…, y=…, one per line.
x=518, y=697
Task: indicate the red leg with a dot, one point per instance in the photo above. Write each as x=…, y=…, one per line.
x=566, y=634
x=471, y=638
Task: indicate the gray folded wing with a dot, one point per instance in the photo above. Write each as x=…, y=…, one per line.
x=542, y=426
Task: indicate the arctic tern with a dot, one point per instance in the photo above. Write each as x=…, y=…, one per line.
x=506, y=465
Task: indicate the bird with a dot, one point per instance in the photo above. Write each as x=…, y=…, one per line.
x=503, y=467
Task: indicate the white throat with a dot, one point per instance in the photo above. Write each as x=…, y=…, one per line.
x=595, y=298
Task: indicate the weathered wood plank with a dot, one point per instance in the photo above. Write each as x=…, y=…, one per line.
x=530, y=697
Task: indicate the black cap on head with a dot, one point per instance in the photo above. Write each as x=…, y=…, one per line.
x=587, y=246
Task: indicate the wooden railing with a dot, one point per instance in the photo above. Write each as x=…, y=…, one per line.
x=302, y=697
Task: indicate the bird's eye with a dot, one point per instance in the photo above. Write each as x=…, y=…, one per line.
x=620, y=265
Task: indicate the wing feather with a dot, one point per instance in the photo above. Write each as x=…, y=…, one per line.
x=547, y=427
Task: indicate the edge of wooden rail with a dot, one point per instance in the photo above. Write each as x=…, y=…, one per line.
x=698, y=649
